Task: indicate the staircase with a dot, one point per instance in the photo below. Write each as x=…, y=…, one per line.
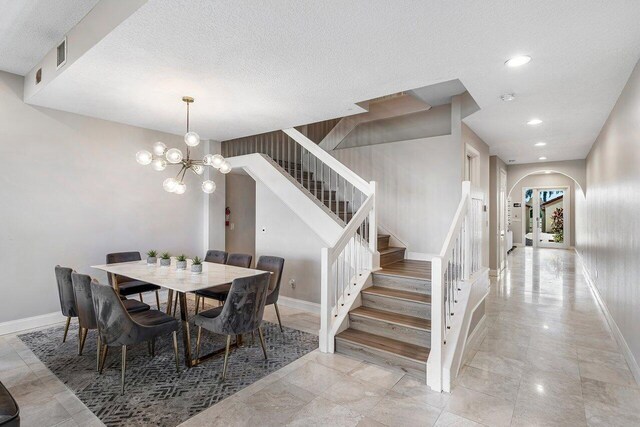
x=392, y=327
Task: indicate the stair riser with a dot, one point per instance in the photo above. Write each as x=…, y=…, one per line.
x=391, y=330
x=391, y=257
x=383, y=242
x=381, y=358
x=402, y=283
x=395, y=305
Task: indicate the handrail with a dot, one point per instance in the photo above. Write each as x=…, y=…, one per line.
x=459, y=258
x=329, y=160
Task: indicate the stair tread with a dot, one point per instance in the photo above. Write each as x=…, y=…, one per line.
x=390, y=317
x=409, y=351
x=391, y=249
x=398, y=294
x=407, y=268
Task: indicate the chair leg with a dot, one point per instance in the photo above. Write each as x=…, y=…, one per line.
x=103, y=358
x=82, y=338
x=124, y=368
x=197, y=303
x=264, y=349
x=203, y=303
x=140, y=295
x=158, y=299
x=98, y=353
x=151, y=344
x=66, y=329
x=275, y=305
x=226, y=357
x=175, y=350
x=198, y=342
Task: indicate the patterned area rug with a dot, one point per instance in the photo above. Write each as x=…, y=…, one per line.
x=155, y=394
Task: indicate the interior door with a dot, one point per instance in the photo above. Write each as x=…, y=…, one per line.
x=550, y=214
x=502, y=217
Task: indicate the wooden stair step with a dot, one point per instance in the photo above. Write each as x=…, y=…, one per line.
x=388, y=345
x=397, y=294
x=391, y=254
x=383, y=241
x=407, y=268
x=395, y=318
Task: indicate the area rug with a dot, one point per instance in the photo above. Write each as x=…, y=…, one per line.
x=155, y=393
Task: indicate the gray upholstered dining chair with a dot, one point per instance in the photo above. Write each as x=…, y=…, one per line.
x=241, y=313
x=275, y=265
x=216, y=257
x=67, y=299
x=117, y=327
x=86, y=313
x=220, y=292
x=126, y=285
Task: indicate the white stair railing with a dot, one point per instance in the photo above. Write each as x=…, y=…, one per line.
x=460, y=257
x=346, y=264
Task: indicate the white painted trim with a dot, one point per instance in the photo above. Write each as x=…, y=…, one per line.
x=308, y=306
x=19, y=325
x=626, y=351
x=475, y=335
x=493, y=273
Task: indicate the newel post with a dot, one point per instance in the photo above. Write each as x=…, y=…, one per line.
x=434, y=363
x=326, y=341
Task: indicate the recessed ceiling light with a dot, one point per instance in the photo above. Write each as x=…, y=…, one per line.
x=507, y=97
x=547, y=171
x=534, y=122
x=540, y=144
x=518, y=61
x=542, y=158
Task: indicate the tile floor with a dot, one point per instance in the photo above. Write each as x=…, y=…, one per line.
x=547, y=357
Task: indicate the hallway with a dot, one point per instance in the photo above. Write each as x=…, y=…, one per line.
x=548, y=357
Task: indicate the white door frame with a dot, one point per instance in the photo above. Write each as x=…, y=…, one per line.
x=566, y=212
x=502, y=220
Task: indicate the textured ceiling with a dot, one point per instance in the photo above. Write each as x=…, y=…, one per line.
x=31, y=28
x=258, y=66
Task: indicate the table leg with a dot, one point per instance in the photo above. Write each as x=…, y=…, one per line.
x=186, y=336
x=169, y=301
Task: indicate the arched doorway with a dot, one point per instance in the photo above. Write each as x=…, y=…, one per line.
x=542, y=209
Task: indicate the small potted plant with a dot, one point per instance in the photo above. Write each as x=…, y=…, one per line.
x=181, y=262
x=196, y=266
x=152, y=257
x=165, y=259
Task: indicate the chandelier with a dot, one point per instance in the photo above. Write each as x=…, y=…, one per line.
x=163, y=157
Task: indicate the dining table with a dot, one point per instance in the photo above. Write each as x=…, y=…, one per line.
x=179, y=283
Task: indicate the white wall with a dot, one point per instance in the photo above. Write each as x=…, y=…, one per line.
x=241, y=200
x=543, y=180
x=287, y=236
x=418, y=187
x=608, y=233
x=71, y=192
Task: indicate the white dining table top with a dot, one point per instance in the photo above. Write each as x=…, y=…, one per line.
x=179, y=280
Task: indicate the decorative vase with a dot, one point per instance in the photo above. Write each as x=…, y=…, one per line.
x=165, y=262
x=181, y=265
x=152, y=260
x=196, y=268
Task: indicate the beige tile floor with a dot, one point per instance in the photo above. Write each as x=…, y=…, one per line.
x=547, y=357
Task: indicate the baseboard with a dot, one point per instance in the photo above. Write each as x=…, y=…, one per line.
x=19, y=325
x=311, y=307
x=493, y=273
x=626, y=351
x=43, y=320
x=419, y=256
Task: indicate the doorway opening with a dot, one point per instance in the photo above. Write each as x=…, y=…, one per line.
x=546, y=216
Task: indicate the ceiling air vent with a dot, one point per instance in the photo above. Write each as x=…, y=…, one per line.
x=61, y=53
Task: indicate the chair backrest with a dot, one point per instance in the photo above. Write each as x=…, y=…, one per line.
x=65, y=291
x=275, y=265
x=122, y=257
x=239, y=260
x=84, y=302
x=243, y=309
x=115, y=326
x=217, y=257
